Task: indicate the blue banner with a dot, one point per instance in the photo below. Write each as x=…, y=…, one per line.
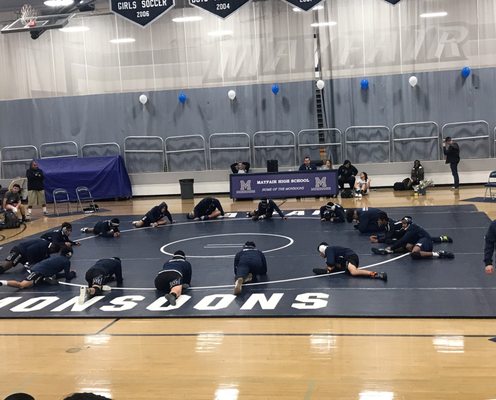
x=284, y=184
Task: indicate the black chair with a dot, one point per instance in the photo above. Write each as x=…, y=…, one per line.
x=491, y=184
x=61, y=196
x=85, y=200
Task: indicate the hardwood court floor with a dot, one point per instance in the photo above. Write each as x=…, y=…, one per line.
x=264, y=358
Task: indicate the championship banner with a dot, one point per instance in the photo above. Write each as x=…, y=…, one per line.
x=304, y=5
x=284, y=184
x=141, y=12
x=221, y=8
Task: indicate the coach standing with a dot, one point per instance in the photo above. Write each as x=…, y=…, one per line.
x=452, y=153
x=36, y=192
x=490, y=239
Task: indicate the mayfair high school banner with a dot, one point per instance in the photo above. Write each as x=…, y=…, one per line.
x=284, y=184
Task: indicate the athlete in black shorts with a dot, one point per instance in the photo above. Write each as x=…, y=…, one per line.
x=103, y=271
x=207, y=208
x=47, y=271
x=248, y=263
x=29, y=252
x=155, y=217
x=174, y=277
x=61, y=236
x=265, y=209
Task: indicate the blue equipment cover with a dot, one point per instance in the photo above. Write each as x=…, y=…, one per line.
x=105, y=177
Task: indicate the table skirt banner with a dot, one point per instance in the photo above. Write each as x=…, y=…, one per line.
x=284, y=184
x=105, y=177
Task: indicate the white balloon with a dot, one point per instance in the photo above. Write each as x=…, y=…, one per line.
x=413, y=81
x=143, y=99
x=320, y=84
x=231, y=94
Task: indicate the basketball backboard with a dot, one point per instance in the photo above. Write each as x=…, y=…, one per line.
x=34, y=23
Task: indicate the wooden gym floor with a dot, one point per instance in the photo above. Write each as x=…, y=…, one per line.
x=264, y=358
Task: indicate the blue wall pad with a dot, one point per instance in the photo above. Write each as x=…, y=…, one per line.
x=416, y=288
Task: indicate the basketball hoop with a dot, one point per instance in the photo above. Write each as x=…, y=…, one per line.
x=28, y=16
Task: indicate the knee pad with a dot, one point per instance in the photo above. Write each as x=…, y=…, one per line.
x=14, y=258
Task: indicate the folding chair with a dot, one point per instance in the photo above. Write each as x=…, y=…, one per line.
x=61, y=196
x=491, y=184
x=85, y=200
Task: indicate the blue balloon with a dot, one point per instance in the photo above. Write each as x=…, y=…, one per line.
x=364, y=84
x=182, y=97
x=466, y=72
x=275, y=88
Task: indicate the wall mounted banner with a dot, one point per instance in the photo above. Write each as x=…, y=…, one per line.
x=284, y=184
x=221, y=8
x=141, y=12
x=304, y=5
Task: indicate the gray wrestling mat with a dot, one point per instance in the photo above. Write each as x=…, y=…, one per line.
x=416, y=288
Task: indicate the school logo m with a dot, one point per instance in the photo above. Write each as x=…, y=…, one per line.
x=320, y=182
x=245, y=186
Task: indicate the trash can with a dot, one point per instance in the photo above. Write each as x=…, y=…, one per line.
x=187, y=192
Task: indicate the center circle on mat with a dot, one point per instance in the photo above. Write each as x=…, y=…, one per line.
x=213, y=242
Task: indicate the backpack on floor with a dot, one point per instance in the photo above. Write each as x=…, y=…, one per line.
x=11, y=220
x=346, y=194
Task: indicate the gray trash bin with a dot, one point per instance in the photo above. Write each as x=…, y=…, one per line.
x=187, y=191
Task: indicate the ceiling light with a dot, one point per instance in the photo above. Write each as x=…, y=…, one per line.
x=319, y=24
x=187, y=19
x=434, y=14
x=58, y=3
x=220, y=33
x=123, y=40
x=73, y=29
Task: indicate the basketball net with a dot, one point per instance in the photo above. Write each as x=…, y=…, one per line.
x=28, y=16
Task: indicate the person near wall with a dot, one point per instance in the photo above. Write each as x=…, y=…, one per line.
x=346, y=174
x=489, y=247
x=417, y=174
x=12, y=201
x=36, y=188
x=240, y=167
x=327, y=164
x=307, y=165
x=452, y=152
x=362, y=185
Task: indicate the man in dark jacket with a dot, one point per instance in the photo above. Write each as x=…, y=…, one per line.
x=307, y=165
x=346, y=174
x=452, y=153
x=29, y=252
x=36, y=188
x=490, y=244
x=248, y=263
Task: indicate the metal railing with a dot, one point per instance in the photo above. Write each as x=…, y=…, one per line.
x=333, y=149
x=274, y=146
x=230, y=149
x=454, y=128
x=59, y=149
x=362, y=143
x=148, y=146
x=96, y=149
x=201, y=150
x=16, y=166
x=432, y=138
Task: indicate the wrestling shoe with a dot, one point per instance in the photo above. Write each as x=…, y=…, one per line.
x=445, y=239
x=106, y=288
x=85, y=230
x=171, y=299
x=238, y=286
x=248, y=278
x=84, y=294
x=445, y=254
x=319, y=271
x=381, y=252
x=185, y=286
x=50, y=280
x=380, y=275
